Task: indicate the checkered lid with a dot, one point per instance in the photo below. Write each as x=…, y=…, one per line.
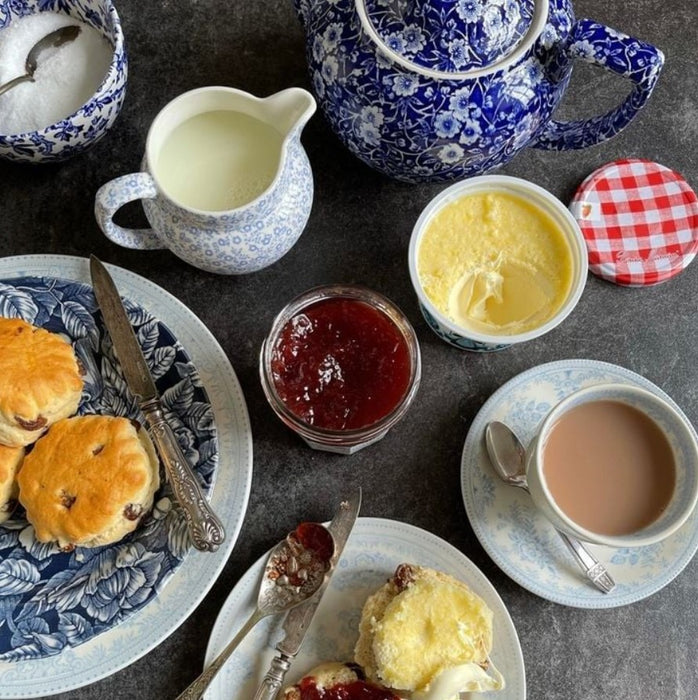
x=640, y=222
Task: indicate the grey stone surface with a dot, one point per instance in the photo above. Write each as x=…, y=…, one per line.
x=358, y=232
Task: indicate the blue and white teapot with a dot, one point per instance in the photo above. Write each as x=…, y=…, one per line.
x=438, y=90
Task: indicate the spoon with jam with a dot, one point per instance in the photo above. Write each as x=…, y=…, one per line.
x=294, y=571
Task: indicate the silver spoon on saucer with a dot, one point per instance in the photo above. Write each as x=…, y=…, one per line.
x=56, y=38
x=294, y=571
x=507, y=456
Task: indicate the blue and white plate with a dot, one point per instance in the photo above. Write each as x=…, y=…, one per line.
x=518, y=538
x=373, y=551
x=68, y=619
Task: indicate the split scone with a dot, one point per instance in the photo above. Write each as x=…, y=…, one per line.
x=10, y=462
x=88, y=481
x=334, y=680
x=40, y=381
x=427, y=636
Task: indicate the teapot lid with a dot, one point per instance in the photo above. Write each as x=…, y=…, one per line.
x=453, y=36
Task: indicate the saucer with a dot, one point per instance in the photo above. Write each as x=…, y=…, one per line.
x=519, y=538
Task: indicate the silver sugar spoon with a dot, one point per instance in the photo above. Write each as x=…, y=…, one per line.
x=55, y=38
x=507, y=456
x=294, y=571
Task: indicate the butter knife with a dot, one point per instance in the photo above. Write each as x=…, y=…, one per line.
x=205, y=529
x=298, y=619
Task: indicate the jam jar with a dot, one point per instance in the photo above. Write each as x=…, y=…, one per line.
x=340, y=366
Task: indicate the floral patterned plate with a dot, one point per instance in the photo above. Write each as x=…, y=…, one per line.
x=374, y=549
x=518, y=538
x=64, y=617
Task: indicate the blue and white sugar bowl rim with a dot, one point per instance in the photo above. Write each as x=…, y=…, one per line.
x=86, y=126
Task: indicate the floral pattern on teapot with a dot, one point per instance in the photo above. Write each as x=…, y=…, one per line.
x=415, y=126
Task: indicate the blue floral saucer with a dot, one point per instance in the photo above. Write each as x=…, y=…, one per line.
x=50, y=600
x=518, y=538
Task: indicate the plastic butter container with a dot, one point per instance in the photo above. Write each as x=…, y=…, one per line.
x=494, y=261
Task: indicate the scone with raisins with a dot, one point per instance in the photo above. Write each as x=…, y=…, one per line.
x=88, y=481
x=334, y=680
x=10, y=462
x=40, y=381
x=427, y=636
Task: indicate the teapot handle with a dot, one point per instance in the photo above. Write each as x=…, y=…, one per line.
x=634, y=59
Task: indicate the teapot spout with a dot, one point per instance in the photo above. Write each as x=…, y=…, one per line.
x=290, y=109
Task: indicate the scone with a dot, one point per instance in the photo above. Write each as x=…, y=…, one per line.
x=88, y=481
x=427, y=635
x=10, y=463
x=40, y=381
x=334, y=680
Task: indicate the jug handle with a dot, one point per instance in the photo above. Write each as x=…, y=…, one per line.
x=633, y=59
x=112, y=196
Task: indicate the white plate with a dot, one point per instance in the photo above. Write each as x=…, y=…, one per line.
x=518, y=538
x=121, y=645
x=372, y=553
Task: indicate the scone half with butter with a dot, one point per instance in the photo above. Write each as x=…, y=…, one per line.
x=40, y=381
x=427, y=636
x=11, y=459
x=88, y=481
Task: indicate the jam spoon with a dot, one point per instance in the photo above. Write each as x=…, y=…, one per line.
x=294, y=571
x=56, y=38
x=507, y=456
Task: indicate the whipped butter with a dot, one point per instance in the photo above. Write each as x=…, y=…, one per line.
x=495, y=263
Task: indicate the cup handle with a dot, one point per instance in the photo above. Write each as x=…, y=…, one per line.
x=112, y=196
x=617, y=52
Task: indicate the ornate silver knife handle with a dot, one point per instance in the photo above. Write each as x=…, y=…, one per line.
x=205, y=529
x=271, y=684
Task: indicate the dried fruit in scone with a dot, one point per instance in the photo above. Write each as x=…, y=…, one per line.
x=334, y=680
x=10, y=463
x=88, y=481
x=40, y=381
x=427, y=634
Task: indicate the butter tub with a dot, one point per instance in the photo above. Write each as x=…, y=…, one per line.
x=495, y=261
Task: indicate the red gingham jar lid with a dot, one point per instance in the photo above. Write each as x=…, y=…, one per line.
x=639, y=220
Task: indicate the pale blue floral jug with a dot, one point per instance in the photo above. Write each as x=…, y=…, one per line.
x=439, y=90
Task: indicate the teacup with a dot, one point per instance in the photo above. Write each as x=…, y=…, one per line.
x=225, y=184
x=616, y=465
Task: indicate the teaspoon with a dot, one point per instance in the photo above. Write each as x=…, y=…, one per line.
x=56, y=38
x=294, y=571
x=507, y=456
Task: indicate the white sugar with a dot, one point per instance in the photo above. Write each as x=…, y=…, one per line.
x=66, y=76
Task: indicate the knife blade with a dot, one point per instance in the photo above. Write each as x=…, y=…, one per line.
x=298, y=619
x=205, y=529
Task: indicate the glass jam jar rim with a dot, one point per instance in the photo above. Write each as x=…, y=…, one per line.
x=353, y=436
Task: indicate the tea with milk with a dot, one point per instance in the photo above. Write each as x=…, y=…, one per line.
x=218, y=160
x=609, y=467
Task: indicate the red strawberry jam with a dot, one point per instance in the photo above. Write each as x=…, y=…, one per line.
x=341, y=364
x=316, y=538
x=356, y=690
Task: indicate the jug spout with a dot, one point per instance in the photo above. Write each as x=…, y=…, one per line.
x=290, y=109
